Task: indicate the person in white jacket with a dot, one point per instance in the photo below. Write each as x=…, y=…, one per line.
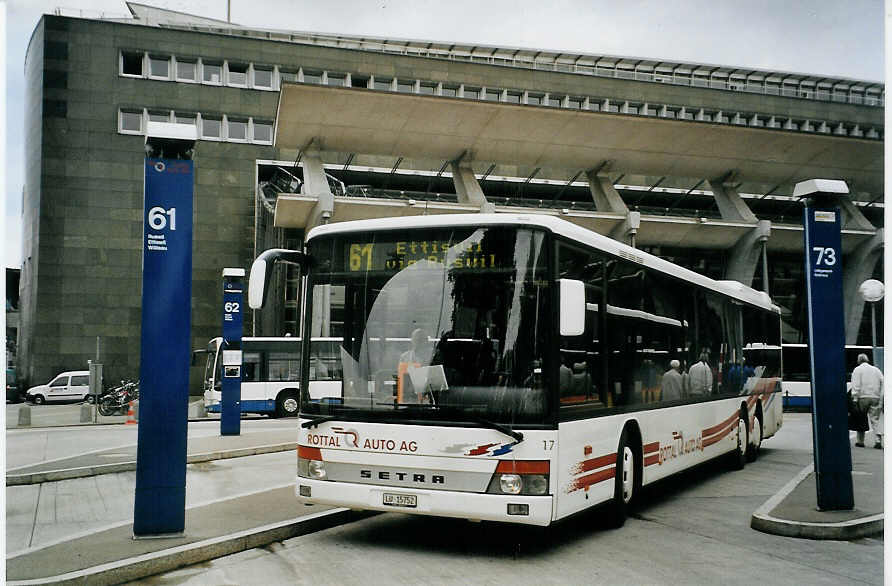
x=867, y=391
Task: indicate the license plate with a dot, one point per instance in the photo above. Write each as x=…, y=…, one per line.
x=400, y=500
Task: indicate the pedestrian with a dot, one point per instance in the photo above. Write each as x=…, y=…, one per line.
x=673, y=383
x=701, y=377
x=867, y=390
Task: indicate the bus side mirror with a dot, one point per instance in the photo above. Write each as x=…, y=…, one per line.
x=572, y=318
x=262, y=268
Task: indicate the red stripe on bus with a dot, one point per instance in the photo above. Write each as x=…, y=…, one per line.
x=650, y=460
x=718, y=427
x=719, y=437
x=651, y=447
x=592, y=479
x=308, y=453
x=594, y=464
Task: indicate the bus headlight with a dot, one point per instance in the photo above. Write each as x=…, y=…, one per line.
x=536, y=484
x=511, y=483
x=316, y=469
x=525, y=477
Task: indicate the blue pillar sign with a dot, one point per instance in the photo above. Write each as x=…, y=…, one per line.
x=230, y=403
x=165, y=348
x=823, y=266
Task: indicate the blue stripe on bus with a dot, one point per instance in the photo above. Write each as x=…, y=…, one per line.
x=260, y=406
x=797, y=401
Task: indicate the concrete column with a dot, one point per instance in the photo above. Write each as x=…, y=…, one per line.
x=731, y=206
x=747, y=254
x=466, y=186
x=628, y=230
x=852, y=218
x=857, y=268
x=316, y=185
x=605, y=196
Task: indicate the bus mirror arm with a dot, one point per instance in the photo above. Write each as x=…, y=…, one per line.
x=262, y=269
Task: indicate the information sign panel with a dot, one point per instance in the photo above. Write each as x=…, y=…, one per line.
x=823, y=267
x=230, y=401
x=165, y=348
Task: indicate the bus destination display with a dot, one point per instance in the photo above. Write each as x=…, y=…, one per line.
x=398, y=255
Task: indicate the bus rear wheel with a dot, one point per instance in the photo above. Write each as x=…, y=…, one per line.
x=287, y=404
x=626, y=483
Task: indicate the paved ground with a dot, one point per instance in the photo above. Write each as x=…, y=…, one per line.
x=699, y=518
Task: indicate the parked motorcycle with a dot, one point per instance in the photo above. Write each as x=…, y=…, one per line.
x=117, y=399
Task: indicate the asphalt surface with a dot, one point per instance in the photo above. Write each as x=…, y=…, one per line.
x=237, y=523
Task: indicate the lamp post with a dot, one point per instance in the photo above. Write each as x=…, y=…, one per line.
x=872, y=291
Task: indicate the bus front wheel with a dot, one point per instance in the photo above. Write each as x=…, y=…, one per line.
x=626, y=482
x=752, y=451
x=738, y=456
x=287, y=404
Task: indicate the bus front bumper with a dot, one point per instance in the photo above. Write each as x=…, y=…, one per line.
x=441, y=503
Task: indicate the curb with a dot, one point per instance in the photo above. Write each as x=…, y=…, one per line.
x=193, y=553
x=85, y=471
x=763, y=521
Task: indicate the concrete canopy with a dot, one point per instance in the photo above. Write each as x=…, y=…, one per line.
x=392, y=124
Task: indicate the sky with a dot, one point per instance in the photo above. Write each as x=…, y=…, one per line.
x=840, y=39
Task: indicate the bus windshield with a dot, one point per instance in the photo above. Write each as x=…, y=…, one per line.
x=446, y=324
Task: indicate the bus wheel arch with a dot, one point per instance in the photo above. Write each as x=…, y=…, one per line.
x=287, y=403
x=628, y=475
x=756, y=434
x=738, y=455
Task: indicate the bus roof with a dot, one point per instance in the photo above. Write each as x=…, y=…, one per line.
x=557, y=226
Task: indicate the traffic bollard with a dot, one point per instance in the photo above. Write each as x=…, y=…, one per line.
x=24, y=416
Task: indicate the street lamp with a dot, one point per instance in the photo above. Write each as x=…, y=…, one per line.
x=872, y=291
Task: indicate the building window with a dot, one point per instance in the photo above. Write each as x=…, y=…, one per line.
x=187, y=119
x=383, y=83
x=513, y=97
x=237, y=129
x=493, y=95
x=535, y=99
x=428, y=87
x=263, y=132
x=131, y=64
x=130, y=121
x=187, y=70
x=450, y=90
x=472, y=93
x=576, y=104
x=159, y=67
x=238, y=74
x=263, y=78
x=337, y=79
x=554, y=101
x=212, y=73
x=405, y=85
x=159, y=116
x=287, y=76
x=311, y=76
x=211, y=127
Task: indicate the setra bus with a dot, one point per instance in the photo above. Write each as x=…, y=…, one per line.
x=271, y=373
x=529, y=385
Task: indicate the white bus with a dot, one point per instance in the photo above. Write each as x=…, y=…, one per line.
x=530, y=387
x=797, y=373
x=271, y=373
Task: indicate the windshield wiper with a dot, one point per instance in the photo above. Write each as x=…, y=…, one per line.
x=500, y=428
x=315, y=421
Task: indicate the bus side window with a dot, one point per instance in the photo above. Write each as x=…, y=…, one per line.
x=251, y=367
x=581, y=367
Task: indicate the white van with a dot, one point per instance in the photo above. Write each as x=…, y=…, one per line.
x=73, y=385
